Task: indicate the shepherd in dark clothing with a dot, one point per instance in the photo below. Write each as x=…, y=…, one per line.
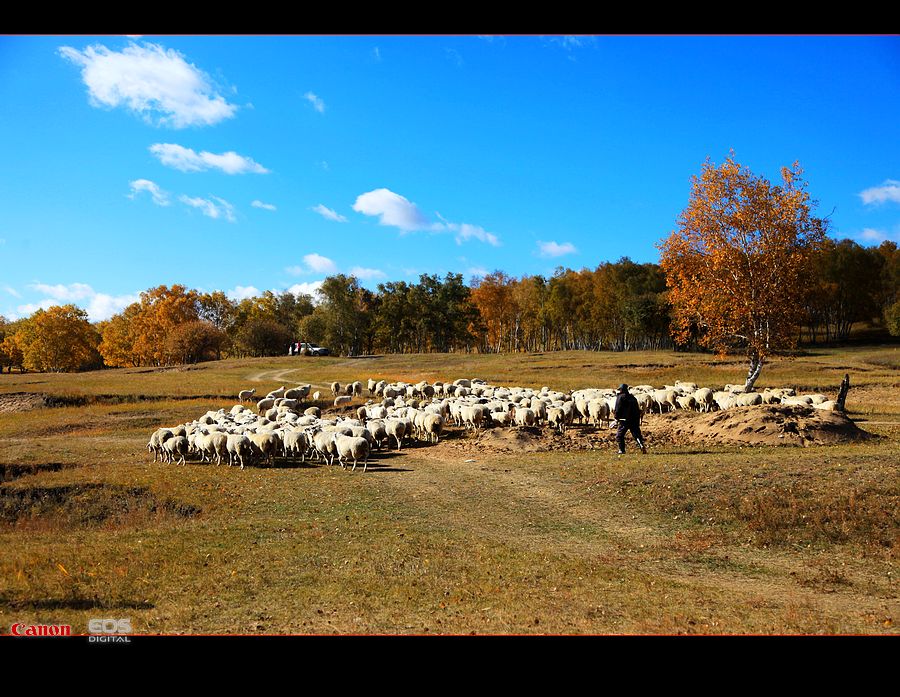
x=628, y=415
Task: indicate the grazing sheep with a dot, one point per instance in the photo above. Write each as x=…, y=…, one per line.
x=686, y=402
x=177, y=445
x=342, y=399
x=396, y=429
x=351, y=447
x=267, y=443
x=299, y=392
x=295, y=443
x=335, y=389
x=524, y=416
x=239, y=448
x=556, y=418
x=246, y=395
x=275, y=394
x=323, y=445
x=704, y=397
x=264, y=404
x=434, y=426
x=598, y=412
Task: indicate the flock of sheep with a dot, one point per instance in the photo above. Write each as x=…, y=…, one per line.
x=399, y=412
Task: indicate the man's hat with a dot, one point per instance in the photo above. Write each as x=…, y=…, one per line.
x=622, y=388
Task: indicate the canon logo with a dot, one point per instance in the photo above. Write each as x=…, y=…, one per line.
x=21, y=629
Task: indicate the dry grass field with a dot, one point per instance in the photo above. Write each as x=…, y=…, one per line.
x=484, y=536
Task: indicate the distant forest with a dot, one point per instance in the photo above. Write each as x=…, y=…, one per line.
x=618, y=306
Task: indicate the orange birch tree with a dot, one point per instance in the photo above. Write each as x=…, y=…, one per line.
x=739, y=264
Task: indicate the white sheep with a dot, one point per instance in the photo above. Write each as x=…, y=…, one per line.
x=174, y=446
x=396, y=429
x=246, y=395
x=434, y=426
x=352, y=447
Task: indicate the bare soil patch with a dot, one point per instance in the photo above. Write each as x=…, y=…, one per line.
x=22, y=401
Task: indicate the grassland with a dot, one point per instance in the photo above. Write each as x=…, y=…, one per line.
x=696, y=538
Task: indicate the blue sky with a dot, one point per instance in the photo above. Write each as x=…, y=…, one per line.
x=247, y=164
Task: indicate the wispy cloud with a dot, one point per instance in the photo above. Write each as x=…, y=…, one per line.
x=888, y=191
x=187, y=160
x=316, y=102
x=367, y=274
x=160, y=197
x=213, y=207
x=256, y=203
x=328, y=213
x=155, y=83
x=99, y=306
x=465, y=232
x=395, y=210
x=12, y=291
x=554, y=249
x=454, y=57
x=376, y=54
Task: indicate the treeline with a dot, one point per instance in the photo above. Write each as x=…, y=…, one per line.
x=617, y=306
x=853, y=284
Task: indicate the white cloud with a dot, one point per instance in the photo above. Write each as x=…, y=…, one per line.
x=220, y=208
x=316, y=101
x=871, y=235
x=477, y=271
x=328, y=213
x=103, y=306
x=242, y=292
x=99, y=306
x=187, y=160
x=319, y=264
x=465, y=232
x=12, y=291
x=311, y=289
x=31, y=308
x=888, y=191
x=391, y=209
x=365, y=274
x=160, y=197
x=376, y=54
x=554, y=249
x=158, y=84
x=73, y=291
x=265, y=206
x=396, y=210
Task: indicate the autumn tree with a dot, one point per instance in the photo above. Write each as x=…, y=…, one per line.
x=739, y=264
x=59, y=339
x=194, y=341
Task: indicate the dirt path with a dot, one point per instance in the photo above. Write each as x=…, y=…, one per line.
x=512, y=501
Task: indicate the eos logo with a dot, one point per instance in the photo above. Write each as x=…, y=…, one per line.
x=109, y=630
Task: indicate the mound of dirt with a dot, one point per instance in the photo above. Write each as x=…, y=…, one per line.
x=772, y=424
x=759, y=425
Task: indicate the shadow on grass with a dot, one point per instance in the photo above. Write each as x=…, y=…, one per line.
x=76, y=603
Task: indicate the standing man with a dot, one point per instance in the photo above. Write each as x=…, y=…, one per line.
x=628, y=415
